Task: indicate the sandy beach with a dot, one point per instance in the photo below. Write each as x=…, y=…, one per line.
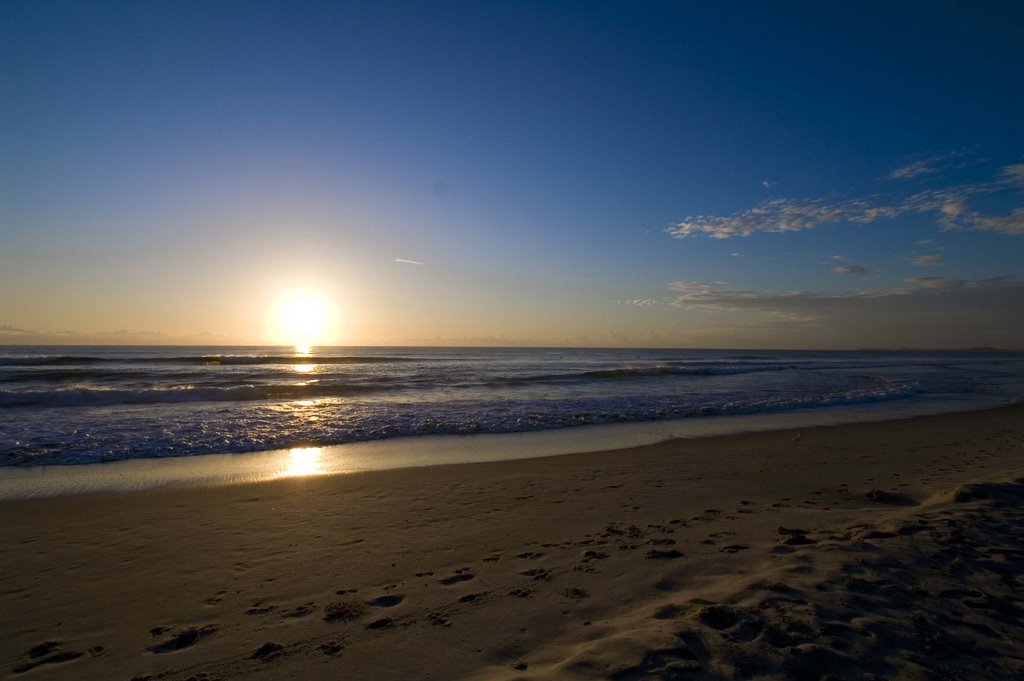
x=867, y=551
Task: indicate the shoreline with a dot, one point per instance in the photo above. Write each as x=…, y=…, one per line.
x=211, y=470
x=889, y=549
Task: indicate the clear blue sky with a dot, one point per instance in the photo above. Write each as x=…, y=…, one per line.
x=677, y=174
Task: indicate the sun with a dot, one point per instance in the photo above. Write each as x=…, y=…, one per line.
x=303, y=317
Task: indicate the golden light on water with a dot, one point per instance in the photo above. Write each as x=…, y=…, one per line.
x=303, y=461
x=303, y=368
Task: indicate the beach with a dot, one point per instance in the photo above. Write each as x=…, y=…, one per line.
x=565, y=341
x=860, y=551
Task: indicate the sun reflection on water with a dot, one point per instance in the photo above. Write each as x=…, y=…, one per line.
x=303, y=368
x=303, y=461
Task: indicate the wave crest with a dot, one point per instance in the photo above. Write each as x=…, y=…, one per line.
x=101, y=397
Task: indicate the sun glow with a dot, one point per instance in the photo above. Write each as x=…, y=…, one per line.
x=303, y=318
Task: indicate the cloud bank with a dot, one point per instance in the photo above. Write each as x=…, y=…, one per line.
x=15, y=335
x=950, y=205
x=928, y=311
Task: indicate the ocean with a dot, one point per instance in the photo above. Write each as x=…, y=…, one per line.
x=76, y=405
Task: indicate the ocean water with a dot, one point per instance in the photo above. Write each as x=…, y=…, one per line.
x=72, y=405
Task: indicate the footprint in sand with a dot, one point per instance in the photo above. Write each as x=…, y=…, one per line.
x=537, y=574
x=632, y=531
x=185, y=639
x=344, y=611
x=793, y=536
x=798, y=540
x=268, y=651
x=575, y=593
x=893, y=498
x=438, y=619
x=734, y=548
x=461, y=575
x=331, y=648
x=388, y=601
x=216, y=598
x=716, y=616
x=661, y=542
x=260, y=608
x=382, y=623
x=50, y=652
x=298, y=611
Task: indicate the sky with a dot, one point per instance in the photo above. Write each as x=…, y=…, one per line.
x=636, y=174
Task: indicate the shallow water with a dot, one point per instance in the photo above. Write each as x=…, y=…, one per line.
x=74, y=405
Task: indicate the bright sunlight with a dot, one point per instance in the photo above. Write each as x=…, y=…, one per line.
x=303, y=318
x=303, y=461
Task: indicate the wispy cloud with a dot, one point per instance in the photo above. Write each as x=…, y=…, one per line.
x=641, y=302
x=925, y=260
x=950, y=205
x=9, y=330
x=1010, y=224
x=768, y=185
x=948, y=283
x=855, y=270
x=930, y=165
x=409, y=262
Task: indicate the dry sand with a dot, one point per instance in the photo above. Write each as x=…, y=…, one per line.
x=886, y=550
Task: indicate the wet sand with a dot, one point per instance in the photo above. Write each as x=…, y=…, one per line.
x=882, y=550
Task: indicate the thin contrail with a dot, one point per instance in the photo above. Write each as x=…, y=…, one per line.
x=410, y=262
